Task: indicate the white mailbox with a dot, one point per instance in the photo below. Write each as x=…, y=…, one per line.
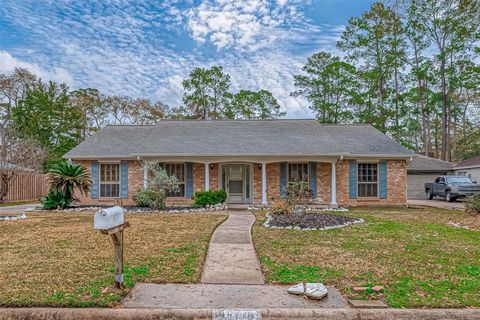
x=108, y=218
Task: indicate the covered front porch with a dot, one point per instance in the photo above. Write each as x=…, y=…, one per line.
x=256, y=181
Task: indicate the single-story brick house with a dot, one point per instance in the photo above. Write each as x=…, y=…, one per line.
x=253, y=160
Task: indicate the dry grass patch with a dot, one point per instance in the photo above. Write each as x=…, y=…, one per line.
x=420, y=259
x=57, y=259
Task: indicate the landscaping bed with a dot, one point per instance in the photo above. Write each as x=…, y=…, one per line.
x=309, y=221
x=57, y=259
x=416, y=254
x=144, y=210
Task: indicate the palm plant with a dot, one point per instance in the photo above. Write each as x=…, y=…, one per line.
x=66, y=177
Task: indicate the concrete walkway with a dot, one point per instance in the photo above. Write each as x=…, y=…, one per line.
x=231, y=258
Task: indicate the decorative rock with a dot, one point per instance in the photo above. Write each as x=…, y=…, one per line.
x=316, y=291
x=359, y=289
x=13, y=218
x=296, y=289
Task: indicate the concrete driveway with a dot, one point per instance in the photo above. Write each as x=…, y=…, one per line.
x=438, y=203
x=18, y=209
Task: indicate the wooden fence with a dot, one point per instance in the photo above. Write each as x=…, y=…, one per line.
x=27, y=186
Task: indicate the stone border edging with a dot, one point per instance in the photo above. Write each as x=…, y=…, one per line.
x=267, y=224
x=271, y=314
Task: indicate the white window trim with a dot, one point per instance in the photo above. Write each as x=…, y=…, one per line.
x=377, y=183
x=100, y=180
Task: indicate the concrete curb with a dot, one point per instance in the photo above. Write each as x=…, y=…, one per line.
x=271, y=314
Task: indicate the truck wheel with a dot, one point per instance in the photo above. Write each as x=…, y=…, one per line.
x=449, y=197
x=429, y=195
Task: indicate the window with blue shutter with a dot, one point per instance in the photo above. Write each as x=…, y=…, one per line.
x=313, y=179
x=383, y=180
x=189, y=180
x=283, y=178
x=124, y=179
x=94, y=173
x=352, y=179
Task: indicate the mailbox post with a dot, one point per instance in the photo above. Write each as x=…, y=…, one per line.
x=111, y=221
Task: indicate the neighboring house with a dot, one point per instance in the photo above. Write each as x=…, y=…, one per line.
x=469, y=168
x=424, y=169
x=253, y=160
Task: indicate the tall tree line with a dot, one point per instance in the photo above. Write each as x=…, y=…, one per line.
x=410, y=68
x=55, y=119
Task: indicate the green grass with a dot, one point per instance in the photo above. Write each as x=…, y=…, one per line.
x=420, y=259
x=58, y=260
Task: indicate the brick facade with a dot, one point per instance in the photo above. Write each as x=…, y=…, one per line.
x=396, y=180
x=324, y=181
x=396, y=185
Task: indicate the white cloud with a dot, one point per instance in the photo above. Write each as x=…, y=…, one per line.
x=8, y=64
x=126, y=48
x=243, y=24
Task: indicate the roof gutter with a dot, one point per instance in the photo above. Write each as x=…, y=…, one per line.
x=193, y=155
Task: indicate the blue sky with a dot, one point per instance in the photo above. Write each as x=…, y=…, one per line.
x=145, y=48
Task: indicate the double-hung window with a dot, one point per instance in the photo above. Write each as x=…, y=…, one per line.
x=367, y=180
x=109, y=180
x=297, y=172
x=177, y=170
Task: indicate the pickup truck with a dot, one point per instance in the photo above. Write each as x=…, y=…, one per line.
x=451, y=187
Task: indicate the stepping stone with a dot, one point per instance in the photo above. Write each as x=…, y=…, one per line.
x=314, y=291
x=378, y=288
x=359, y=289
x=367, y=304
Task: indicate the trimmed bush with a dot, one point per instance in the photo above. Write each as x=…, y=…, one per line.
x=205, y=198
x=143, y=197
x=473, y=205
x=55, y=200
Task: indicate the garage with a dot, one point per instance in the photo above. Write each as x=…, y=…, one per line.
x=424, y=169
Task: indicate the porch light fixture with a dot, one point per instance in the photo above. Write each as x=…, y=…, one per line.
x=212, y=166
x=259, y=166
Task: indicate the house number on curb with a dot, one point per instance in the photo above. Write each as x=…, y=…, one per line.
x=111, y=221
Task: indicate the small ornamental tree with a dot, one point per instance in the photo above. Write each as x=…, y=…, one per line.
x=160, y=184
x=64, y=178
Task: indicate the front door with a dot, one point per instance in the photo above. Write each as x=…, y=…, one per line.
x=236, y=183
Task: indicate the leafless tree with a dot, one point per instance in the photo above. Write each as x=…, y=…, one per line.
x=17, y=156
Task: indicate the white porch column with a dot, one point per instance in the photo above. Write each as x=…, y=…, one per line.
x=145, y=176
x=264, y=184
x=333, y=197
x=207, y=176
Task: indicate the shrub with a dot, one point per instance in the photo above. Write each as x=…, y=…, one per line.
x=64, y=178
x=143, y=197
x=298, y=192
x=281, y=207
x=55, y=200
x=205, y=198
x=473, y=205
x=160, y=184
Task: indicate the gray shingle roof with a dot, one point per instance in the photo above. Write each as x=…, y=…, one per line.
x=473, y=162
x=425, y=164
x=240, y=137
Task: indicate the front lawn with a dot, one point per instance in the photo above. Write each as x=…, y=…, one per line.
x=57, y=259
x=420, y=258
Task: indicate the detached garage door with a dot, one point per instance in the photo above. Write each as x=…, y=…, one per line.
x=416, y=184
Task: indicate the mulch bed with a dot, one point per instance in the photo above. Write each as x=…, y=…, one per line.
x=310, y=220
